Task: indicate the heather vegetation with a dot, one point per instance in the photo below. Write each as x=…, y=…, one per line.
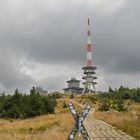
x=120, y=108
x=58, y=125
x=115, y=99
x=24, y=106
x=123, y=93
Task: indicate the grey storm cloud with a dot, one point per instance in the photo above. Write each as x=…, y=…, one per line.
x=48, y=32
x=10, y=76
x=118, y=41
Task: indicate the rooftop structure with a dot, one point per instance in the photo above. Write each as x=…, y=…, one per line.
x=73, y=86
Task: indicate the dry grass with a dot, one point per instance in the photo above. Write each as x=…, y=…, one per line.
x=58, y=126
x=47, y=127
x=129, y=121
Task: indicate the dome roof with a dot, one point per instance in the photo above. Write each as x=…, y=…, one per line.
x=73, y=78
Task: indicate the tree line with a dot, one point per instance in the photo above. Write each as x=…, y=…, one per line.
x=123, y=93
x=115, y=98
x=23, y=106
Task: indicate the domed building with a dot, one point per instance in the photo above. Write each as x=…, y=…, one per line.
x=73, y=86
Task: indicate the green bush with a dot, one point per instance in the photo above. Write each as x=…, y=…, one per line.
x=23, y=106
x=71, y=96
x=104, y=105
x=93, y=99
x=64, y=105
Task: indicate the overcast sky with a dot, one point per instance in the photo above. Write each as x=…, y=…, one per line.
x=42, y=42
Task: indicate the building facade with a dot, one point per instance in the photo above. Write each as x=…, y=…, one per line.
x=41, y=91
x=73, y=86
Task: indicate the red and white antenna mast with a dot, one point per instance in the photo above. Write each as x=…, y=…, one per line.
x=89, y=68
x=89, y=46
